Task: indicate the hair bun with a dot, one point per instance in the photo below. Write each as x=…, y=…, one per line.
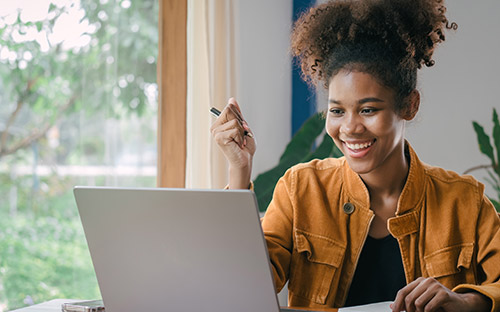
x=409, y=31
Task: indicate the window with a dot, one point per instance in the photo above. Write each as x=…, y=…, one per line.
x=78, y=106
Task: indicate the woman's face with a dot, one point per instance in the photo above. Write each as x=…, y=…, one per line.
x=363, y=122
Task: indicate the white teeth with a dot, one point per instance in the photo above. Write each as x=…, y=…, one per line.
x=358, y=146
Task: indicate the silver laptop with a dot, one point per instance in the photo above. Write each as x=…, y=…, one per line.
x=177, y=250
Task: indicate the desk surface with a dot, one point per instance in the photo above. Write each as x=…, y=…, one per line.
x=55, y=306
x=49, y=306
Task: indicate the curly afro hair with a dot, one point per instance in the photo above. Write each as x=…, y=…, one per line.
x=389, y=39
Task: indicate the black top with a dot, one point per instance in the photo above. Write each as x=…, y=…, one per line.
x=379, y=274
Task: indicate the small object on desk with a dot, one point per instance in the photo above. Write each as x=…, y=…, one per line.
x=217, y=112
x=83, y=306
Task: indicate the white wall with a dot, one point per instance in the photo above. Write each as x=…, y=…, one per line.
x=264, y=67
x=463, y=86
x=264, y=89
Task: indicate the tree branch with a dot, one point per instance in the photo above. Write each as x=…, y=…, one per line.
x=13, y=116
x=477, y=168
x=37, y=134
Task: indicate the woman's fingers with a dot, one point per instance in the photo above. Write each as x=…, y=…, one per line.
x=406, y=296
x=229, y=131
x=429, y=300
x=427, y=294
x=235, y=109
x=230, y=113
x=233, y=135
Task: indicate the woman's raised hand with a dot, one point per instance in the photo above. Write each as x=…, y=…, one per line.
x=229, y=131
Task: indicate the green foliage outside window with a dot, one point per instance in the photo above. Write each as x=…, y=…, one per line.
x=58, y=95
x=45, y=256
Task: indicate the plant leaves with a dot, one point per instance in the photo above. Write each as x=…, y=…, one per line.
x=322, y=151
x=336, y=153
x=299, y=149
x=265, y=183
x=39, y=26
x=496, y=140
x=496, y=204
x=302, y=141
x=484, y=142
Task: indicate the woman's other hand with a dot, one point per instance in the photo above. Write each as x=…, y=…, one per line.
x=229, y=133
x=428, y=295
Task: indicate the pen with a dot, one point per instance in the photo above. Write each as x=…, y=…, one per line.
x=216, y=113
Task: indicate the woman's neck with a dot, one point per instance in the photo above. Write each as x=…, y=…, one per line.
x=389, y=179
x=385, y=185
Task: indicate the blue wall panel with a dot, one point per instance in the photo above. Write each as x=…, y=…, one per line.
x=303, y=96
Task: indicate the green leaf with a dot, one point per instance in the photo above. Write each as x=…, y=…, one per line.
x=496, y=140
x=484, y=142
x=302, y=141
x=296, y=151
x=494, y=180
x=39, y=26
x=336, y=153
x=265, y=183
x=496, y=204
x=322, y=151
x=299, y=149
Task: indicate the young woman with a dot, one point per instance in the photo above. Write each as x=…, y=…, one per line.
x=376, y=224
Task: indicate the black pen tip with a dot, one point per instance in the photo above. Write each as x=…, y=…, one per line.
x=215, y=111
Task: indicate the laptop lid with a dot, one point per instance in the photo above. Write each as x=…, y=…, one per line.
x=177, y=249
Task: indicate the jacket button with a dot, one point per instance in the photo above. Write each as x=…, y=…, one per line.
x=348, y=208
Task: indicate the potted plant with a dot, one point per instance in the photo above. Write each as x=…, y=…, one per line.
x=492, y=151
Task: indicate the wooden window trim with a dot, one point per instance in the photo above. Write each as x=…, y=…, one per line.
x=172, y=92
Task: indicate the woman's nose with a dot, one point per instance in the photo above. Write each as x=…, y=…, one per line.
x=352, y=124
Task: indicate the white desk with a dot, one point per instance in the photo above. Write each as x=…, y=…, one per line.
x=55, y=306
x=48, y=306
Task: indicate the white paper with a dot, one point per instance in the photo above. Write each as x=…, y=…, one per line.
x=374, y=307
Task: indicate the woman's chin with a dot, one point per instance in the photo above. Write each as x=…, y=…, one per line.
x=360, y=167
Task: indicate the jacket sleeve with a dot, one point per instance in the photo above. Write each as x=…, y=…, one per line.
x=488, y=255
x=277, y=228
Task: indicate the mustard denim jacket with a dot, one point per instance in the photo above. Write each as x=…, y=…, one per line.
x=318, y=220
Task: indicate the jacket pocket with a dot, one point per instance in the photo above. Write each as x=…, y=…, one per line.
x=451, y=265
x=314, y=262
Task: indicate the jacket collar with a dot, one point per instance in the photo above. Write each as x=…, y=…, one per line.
x=411, y=195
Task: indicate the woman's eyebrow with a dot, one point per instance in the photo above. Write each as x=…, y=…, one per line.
x=362, y=101
x=370, y=99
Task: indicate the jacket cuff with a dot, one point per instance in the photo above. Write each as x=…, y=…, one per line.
x=250, y=187
x=491, y=291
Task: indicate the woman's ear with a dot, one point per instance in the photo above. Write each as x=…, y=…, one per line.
x=412, y=105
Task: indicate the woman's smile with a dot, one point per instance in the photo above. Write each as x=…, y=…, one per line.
x=358, y=149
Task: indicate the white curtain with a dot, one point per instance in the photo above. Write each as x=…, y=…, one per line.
x=211, y=81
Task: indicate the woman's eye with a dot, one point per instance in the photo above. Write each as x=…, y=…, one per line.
x=367, y=111
x=335, y=111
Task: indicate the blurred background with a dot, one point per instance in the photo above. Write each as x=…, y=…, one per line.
x=79, y=104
